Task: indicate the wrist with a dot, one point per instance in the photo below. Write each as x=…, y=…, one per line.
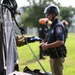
x=47, y=46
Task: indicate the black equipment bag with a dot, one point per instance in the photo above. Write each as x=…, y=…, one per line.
x=34, y=72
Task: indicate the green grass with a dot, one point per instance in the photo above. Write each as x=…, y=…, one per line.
x=26, y=58
x=69, y=66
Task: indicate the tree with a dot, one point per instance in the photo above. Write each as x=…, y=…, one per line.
x=34, y=12
x=67, y=13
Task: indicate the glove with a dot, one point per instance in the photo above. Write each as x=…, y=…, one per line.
x=20, y=41
x=36, y=39
x=49, y=22
x=32, y=39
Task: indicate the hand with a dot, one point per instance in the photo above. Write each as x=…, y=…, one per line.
x=44, y=46
x=20, y=41
x=41, y=43
x=21, y=38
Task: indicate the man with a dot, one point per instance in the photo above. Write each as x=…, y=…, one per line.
x=65, y=23
x=55, y=41
x=43, y=31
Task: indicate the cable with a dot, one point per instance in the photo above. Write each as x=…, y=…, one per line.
x=36, y=57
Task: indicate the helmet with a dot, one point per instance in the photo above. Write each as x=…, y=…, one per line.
x=51, y=9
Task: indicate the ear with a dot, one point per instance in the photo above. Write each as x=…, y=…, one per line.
x=53, y=14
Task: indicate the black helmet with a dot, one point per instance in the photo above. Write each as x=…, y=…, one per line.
x=51, y=9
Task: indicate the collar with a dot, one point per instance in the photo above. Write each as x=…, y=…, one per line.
x=54, y=22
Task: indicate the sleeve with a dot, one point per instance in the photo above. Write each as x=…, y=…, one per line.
x=59, y=33
x=41, y=32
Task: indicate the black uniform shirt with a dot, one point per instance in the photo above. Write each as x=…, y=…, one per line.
x=43, y=30
x=56, y=32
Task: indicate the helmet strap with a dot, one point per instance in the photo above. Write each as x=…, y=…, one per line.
x=53, y=18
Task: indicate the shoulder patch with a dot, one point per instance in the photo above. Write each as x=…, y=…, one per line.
x=40, y=29
x=59, y=29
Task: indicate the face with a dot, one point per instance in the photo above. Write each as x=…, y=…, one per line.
x=49, y=16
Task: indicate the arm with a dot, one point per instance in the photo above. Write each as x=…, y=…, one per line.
x=59, y=34
x=57, y=43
